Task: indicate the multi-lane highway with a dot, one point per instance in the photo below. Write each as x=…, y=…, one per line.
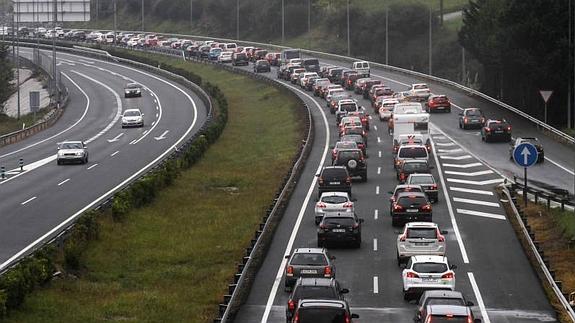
x=39, y=201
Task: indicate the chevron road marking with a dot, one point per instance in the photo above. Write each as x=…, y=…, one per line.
x=476, y=202
x=482, y=172
x=445, y=144
x=455, y=157
x=462, y=165
x=468, y=190
x=481, y=214
x=486, y=182
x=449, y=151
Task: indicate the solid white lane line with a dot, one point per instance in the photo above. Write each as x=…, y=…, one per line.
x=439, y=137
x=476, y=202
x=132, y=142
x=377, y=190
x=560, y=166
x=115, y=153
x=30, y=167
x=63, y=182
x=375, y=214
x=480, y=183
x=380, y=154
x=455, y=105
x=63, y=131
x=450, y=208
x=289, y=246
x=478, y=297
x=374, y=244
x=449, y=151
x=391, y=80
x=28, y=200
x=468, y=190
x=378, y=170
x=462, y=165
x=481, y=214
x=456, y=157
x=482, y=172
x=375, y=285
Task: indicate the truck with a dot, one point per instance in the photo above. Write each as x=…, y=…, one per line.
x=413, y=123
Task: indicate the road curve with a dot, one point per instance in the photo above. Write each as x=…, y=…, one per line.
x=37, y=202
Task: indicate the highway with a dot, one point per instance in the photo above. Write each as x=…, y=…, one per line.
x=38, y=202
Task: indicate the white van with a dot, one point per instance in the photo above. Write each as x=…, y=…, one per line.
x=408, y=108
x=361, y=67
x=231, y=47
x=404, y=124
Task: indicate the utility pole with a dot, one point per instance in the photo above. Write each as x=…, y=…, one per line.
x=463, y=72
x=18, y=57
x=387, y=36
x=55, y=19
x=237, y=19
x=191, y=14
x=309, y=23
x=430, y=44
x=283, y=22
x=143, y=15
x=348, y=40
x=569, y=83
x=441, y=13
x=115, y=20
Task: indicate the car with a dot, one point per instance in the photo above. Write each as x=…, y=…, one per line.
x=132, y=118
x=367, y=85
x=132, y=90
x=225, y=57
x=406, y=152
x=330, y=87
x=496, y=129
x=410, y=207
x=344, y=77
x=343, y=107
x=408, y=139
x=361, y=67
x=427, y=182
x=440, y=297
x=358, y=86
x=308, y=262
x=295, y=75
x=305, y=77
x=334, y=179
x=334, y=99
x=311, y=64
x=380, y=93
x=362, y=115
x=354, y=161
x=72, y=151
x=331, y=91
x=532, y=140
x=318, y=85
x=323, y=311
x=260, y=54
x=350, y=81
x=342, y=145
x=333, y=202
x=402, y=188
x=240, y=59
x=448, y=313
x=412, y=166
x=334, y=74
x=273, y=58
x=323, y=71
x=437, y=103
x=420, y=238
x=339, y=228
x=306, y=288
x=214, y=53
x=385, y=108
x=358, y=139
x=354, y=130
x=471, y=118
x=420, y=91
x=424, y=272
x=262, y=66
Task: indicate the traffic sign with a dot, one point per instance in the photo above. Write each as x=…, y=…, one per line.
x=545, y=95
x=525, y=154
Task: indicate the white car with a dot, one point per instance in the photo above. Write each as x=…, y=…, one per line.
x=427, y=273
x=72, y=151
x=386, y=109
x=420, y=238
x=420, y=91
x=132, y=118
x=305, y=77
x=333, y=202
x=133, y=42
x=331, y=91
x=225, y=57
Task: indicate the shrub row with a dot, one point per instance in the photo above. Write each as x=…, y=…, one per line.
x=38, y=268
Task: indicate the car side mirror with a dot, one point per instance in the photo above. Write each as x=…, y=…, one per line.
x=142, y=114
x=431, y=167
x=344, y=291
x=390, y=192
x=470, y=303
x=286, y=256
x=444, y=232
x=316, y=175
x=453, y=267
x=354, y=316
x=403, y=266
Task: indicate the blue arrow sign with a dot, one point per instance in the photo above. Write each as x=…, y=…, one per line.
x=525, y=155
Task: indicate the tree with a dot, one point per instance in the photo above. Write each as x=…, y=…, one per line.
x=6, y=76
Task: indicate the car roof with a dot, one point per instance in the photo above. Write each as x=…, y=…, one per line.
x=71, y=142
x=315, y=281
x=334, y=194
x=421, y=225
x=309, y=250
x=442, y=293
x=421, y=175
x=346, y=101
x=322, y=302
x=426, y=258
x=416, y=194
x=400, y=186
x=412, y=146
x=339, y=215
x=458, y=310
x=415, y=161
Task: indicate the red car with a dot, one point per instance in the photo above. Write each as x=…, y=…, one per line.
x=273, y=58
x=437, y=103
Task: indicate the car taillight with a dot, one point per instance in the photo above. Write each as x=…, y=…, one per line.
x=347, y=205
x=412, y=275
x=402, y=237
x=291, y=305
x=427, y=320
x=401, y=176
x=395, y=149
x=469, y=319
x=320, y=180
x=508, y=128
x=289, y=271
x=482, y=120
x=426, y=207
x=448, y=276
x=487, y=129
x=296, y=318
x=397, y=207
x=440, y=237
x=465, y=120
x=434, y=187
x=347, y=318
x=428, y=146
x=327, y=271
x=321, y=205
x=348, y=180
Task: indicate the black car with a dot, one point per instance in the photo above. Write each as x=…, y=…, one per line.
x=496, y=129
x=353, y=160
x=132, y=90
x=334, y=74
x=313, y=288
x=448, y=313
x=262, y=65
x=532, y=140
x=339, y=228
x=323, y=311
x=409, y=207
x=439, y=297
x=240, y=59
x=412, y=166
x=334, y=179
x=359, y=140
x=311, y=64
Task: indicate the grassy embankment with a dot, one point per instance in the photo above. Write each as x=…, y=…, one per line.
x=172, y=261
x=8, y=124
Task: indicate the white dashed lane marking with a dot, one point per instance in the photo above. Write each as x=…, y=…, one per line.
x=375, y=214
x=456, y=157
x=481, y=214
x=63, y=182
x=464, y=181
x=476, y=202
x=375, y=285
x=92, y=166
x=114, y=154
x=28, y=200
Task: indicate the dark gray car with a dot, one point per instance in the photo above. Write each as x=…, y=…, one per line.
x=309, y=263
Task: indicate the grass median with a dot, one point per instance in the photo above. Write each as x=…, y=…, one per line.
x=172, y=261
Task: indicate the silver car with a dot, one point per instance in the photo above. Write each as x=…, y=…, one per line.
x=132, y=118
x=132, y=90
x=420, y=238
x=333, y=202
x=71, y=152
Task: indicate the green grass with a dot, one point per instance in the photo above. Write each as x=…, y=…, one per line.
x=9, y=124
x=448, y=5
x=172, y=261
x=566, y=221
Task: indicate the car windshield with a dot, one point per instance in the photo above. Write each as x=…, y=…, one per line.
x=445, y=301
x=345, y=154
x=132, y=86
x=408, y=189
x=407, y=201
x=411, y=142
x=334, y=199
x=413, y=152
x=473, y=113
x=71, y=145
x=132, y=114
x=310, y=259
x=347, y=144
x=317, y=292
x=421, y=180
x=355, y=138
x=322, y=315
x=349, y=107
x=449, y=319
x=415, y=167
x=335, y=173
x=311, y=62
x=420, y=87
x=421, y=233
x=343, y=221
x=430, y=267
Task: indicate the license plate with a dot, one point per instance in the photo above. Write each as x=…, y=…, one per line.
x=338, y=230
x=412, y=210
x=498, y=131
x=421, y=243
x=430, y=280
x=474, y=121
x=334, y=183
x=440, y=108
x=309, y=271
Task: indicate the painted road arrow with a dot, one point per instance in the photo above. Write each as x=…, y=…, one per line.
x=116, y=138
x=163, y=136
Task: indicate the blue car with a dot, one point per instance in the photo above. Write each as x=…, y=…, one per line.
x=214, y=54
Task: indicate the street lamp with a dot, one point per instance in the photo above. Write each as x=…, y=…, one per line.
x=237, y=19
x=143, y=15
x=348, y=41
x=430, y=44
x=283, y=22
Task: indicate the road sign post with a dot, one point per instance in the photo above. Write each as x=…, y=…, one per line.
x=545, y=95
x=525, y=155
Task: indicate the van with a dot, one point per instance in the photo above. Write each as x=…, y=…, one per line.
x=362, y=68
x=408, y=108
x=311, y=64
x=288, y=54
x=231, y=47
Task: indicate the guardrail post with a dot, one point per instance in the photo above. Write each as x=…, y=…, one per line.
x=536, y=197
x=548, y=202
x=3, y=172
x=21, y=162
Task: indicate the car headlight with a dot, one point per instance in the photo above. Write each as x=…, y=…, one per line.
x=80, y=153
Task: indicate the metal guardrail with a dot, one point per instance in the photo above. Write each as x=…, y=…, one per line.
x=556, y=290
x=561, y=198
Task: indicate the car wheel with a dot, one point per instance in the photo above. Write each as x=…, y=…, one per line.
x=436, y=200
x=317, y=220
x=357, y=244
x=398, y=260
x=86, y=160
x=406, y=296
x=394, y=222
x=364, y=178
x=58, y=162
x=320, y=243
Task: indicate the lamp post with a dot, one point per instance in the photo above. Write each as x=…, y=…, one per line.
x=143, y=16
x=283, y=22
x=237, y=19
x=348, y=40
x=386, y=36
x=430, y=42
